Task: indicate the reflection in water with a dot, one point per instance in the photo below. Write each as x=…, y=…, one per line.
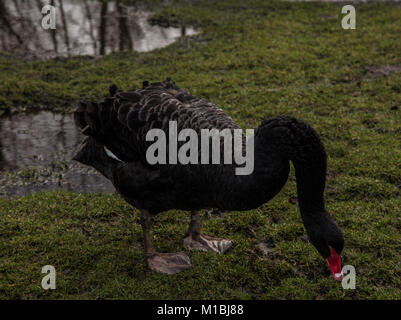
x=41, y=141
x=83, y=27
x=37, y=139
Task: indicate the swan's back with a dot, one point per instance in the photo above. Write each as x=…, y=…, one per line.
x=121, y=121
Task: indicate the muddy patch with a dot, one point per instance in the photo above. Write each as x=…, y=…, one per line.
x=267, y=249
x=378, y=71
x=35, y=155
x=370, y=73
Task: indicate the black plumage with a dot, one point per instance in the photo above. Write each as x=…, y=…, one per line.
x=120, y=123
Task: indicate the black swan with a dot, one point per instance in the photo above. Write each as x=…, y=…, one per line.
x=116, y=146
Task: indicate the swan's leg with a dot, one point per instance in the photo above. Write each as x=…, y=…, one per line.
x=196, y=240
x=168, y=263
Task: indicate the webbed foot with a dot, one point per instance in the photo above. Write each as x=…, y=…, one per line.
x=169, y=263
x=207, y=243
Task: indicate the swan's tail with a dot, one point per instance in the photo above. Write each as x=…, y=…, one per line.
x=94, y=154
x=95, y=119
x=99, y=123
x=108, y=122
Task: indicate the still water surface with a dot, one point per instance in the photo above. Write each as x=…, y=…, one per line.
x=83, y=27
x=35, y=154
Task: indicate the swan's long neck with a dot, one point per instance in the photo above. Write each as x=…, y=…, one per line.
x=296, y=141
x=311, y=179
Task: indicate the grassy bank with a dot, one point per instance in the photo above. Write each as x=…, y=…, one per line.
x=255, y=60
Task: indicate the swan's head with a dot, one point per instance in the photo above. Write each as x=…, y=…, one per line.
x=329, y=242
x=334, y=262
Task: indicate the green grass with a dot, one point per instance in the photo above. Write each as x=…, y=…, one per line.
x=256, y=60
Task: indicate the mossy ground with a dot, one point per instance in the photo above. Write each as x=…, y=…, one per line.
x=256, y=60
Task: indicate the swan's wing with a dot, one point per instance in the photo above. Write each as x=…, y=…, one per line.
x=121, y=121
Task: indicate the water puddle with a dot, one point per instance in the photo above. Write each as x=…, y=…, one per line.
x=35, y=154
x=83, y=27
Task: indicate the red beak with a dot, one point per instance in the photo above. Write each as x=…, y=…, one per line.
x=334, y=262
